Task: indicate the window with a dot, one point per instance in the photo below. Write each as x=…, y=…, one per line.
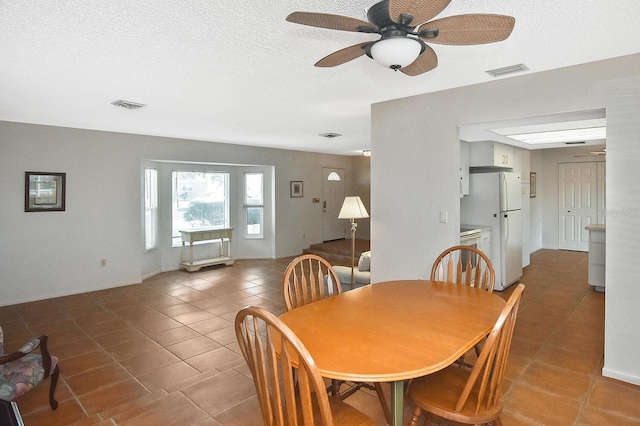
x=150, y=209
x=333, y=176
x=254, y=205
x=199, y=199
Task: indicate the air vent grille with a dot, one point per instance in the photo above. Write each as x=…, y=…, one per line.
x=127, y=104
x=498, y=72
x=329, y=135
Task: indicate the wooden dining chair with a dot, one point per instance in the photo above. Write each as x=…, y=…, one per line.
x=290, y=389
x=310, y=278
x=470, y=397
x=464, y=265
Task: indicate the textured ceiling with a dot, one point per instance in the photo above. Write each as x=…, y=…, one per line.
x=237, y=72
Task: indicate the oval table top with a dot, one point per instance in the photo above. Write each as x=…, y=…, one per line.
x=394, y=330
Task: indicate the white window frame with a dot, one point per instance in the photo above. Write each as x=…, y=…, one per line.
x=150, y=209
x=176, y=196
x=253, y=204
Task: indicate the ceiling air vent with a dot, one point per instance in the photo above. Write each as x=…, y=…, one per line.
x=329, y=135
x=499, y=72
x=127, y=104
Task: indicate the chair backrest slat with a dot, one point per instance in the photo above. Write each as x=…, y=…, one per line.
x=488, y=371
x=307, y=279
x=464, y=265
x=273, y=352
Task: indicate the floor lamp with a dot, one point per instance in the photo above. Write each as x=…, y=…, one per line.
x=352, y=209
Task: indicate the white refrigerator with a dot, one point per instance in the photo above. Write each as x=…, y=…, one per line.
x=495, y=200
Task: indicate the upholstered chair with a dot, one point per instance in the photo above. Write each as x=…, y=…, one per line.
x=22, y=370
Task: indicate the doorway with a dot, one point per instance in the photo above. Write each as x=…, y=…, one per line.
x=577, y=204
x=333, y=193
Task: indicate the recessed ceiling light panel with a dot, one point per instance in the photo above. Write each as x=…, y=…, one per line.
x=566, y=131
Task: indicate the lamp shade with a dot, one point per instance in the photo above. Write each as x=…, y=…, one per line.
x=352, y=208
x=396, y=52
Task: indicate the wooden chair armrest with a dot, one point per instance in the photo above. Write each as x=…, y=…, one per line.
x=29, y=347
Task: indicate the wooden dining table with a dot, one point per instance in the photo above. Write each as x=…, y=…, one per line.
x=393, y=331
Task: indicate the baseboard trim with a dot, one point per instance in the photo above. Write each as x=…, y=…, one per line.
x=613, y=374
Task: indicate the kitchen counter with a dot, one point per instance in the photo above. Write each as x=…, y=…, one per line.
x=597, y=255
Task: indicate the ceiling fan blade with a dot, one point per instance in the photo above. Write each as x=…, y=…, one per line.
x=332, y=22
x=469, y=29
x=343, y=55
x=421, y=10
x=424, y=63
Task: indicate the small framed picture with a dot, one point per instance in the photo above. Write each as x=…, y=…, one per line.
x=295, y=188
x=44, y=192
x=532, y=185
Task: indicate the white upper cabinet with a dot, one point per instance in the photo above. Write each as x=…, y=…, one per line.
x=491, y=154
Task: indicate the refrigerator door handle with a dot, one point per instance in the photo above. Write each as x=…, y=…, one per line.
x=506, y=222
x=503, y=192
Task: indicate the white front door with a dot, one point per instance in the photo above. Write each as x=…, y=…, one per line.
x=578, y=204
x=333, y=193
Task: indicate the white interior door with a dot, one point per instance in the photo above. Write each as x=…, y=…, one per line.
x=578, y=204
x=333, y=193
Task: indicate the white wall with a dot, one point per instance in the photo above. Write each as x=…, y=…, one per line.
x=414, y=175
x=52, y=254
x=622, y=311
x=535, y=204
x=362, y=187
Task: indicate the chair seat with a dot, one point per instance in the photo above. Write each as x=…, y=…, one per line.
x=23, y=374
x=341, y=413
x=439, y=392
x=344, y=414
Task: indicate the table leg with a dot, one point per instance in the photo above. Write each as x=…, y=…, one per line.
x=397, y=402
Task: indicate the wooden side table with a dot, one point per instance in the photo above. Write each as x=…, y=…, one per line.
x=192, y=236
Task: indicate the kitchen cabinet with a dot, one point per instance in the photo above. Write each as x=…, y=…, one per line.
x=464, y=168
x=491, y=154
x=597, y=251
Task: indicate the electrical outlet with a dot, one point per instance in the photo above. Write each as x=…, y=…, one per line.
x=103, y=262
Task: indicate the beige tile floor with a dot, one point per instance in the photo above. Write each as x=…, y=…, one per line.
x=163, y=352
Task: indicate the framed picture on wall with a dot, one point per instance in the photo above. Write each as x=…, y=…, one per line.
x=296, y=188
x=44, y=192
x=532, y=185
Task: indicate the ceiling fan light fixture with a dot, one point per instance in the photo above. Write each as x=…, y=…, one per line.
x=396, y=52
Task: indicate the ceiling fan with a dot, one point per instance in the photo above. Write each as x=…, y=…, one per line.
x=594, y=153
x=404, y=26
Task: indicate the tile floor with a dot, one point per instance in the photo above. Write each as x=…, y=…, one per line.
x=164, y=351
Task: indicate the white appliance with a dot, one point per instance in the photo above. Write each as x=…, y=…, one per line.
x=470, y=236
x=495, y=200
